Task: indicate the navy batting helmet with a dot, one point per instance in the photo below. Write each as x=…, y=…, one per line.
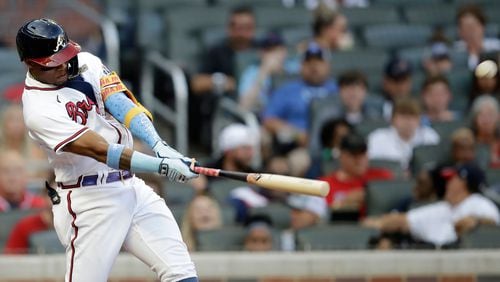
x=45, y=42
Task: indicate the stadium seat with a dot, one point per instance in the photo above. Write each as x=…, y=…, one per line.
x=321, y=111
x=279, y=214
x=491, y=30
x=392, y=37
x=228, y=238
x=483, y=237
x=296, y=34
x=361, y=17
x=406, y=3
x=382, y=196
x=446, y=128
x=432, y=15
x=366, y=127
x=8, y=220
x=393, y=166
x=428, y=156
x=276, y=18
x=45, y=242
x=483, y=155
x=176, y=193
x=221, y=188
x=178, y=211
x=10, y=61
x=365, y=60
x=493, y=176
x=335, y=237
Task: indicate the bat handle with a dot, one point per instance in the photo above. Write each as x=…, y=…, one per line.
x=206, y=171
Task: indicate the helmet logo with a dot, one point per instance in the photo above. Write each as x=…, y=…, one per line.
x=60, y=43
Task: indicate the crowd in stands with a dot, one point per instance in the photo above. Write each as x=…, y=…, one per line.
x=431, y=123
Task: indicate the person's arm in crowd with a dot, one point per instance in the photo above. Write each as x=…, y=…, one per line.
x=216, y=82
x=389, y=223
x=468, y=223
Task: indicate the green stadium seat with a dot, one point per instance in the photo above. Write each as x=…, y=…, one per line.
x=221, y=188
x=491, y=30
x=446, y=128
x=176, y=193
x=393, y=37
x=228, y=238
x=406, y=3
x=276, y=18
x=428, y=156
x=335, y=237
x=279, y=214
x=296, y=34
x=493, y=176
x=393, y=166
x=365, y=60
x=483, y=237
x=433, y=15
x=382, y=196
x=361, y=17
x=366, y=127
x=45, y=242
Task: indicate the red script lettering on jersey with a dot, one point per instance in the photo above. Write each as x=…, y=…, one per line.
x=79, y=112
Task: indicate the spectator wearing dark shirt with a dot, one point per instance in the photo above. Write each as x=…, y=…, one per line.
x=217, y=74
x=396, y=84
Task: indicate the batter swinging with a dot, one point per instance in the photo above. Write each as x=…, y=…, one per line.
x=84, y=116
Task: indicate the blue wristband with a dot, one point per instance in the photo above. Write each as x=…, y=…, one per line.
x=114, y=154
x=144, y=163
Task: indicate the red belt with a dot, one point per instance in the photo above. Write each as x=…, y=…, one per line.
x=91, y=180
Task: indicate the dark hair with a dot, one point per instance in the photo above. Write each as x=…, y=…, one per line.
x=352, y=77
x=433, y=79
x=242, y=9
x=473, y=10
x=328, y=130
x=322, y=19
x=263, y=218
x=354, y=144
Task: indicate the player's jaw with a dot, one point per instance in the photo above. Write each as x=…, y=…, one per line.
x=57, y=75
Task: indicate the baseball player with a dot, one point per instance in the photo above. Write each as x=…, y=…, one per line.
x=85, y=117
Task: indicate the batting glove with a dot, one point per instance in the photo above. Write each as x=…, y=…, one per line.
x=179, y=170
x=163, y=150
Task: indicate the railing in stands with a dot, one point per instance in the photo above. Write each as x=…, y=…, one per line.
x=178, y=117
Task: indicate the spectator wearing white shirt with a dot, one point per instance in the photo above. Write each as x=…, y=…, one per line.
x=442, y=223
x=405, y=133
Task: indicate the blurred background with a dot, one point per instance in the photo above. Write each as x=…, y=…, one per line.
x=395, y=103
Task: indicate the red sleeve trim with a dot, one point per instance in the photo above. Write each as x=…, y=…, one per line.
x=71, y=138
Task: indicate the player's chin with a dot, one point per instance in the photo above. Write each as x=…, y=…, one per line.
x=60, y=80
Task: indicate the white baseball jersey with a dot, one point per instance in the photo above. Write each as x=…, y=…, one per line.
x=94, y=221
x=55, y=116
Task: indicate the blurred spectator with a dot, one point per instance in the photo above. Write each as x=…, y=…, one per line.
x=18, y=240
x=236, y=150
x=13, y=181
x=405, y=133
x=485, y=81
x=397, y=83
x=306, y=211
x=332, y=133
x=485, y=124
x=347, y=183
x=218, y=73
x=423, y=192
x=258, y=237
x=353, y=91
x=287, y=115
x=203, y=213
x=255, y=83
x=330, y=30
x=471, y=23
x=436, y=98
x=442, y=223
x=438, y=62
x=463, y=146
x=14, y=136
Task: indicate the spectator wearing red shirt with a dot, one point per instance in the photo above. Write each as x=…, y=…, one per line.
x=347, y=184
x=13, y=181
x=18, y=241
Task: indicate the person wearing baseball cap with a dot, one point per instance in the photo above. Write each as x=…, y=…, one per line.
x=397, y=83
x=442, y=223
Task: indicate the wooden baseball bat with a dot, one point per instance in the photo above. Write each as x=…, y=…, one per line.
x=272, y=181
